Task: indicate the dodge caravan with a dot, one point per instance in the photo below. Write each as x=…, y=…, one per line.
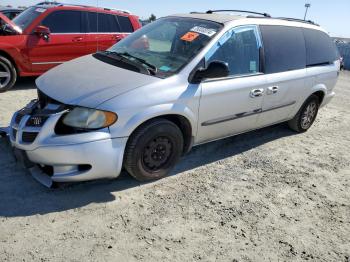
x=181, y=81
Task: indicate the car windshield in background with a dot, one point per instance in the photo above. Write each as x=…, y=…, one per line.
x=25, y=18
x=166, y=45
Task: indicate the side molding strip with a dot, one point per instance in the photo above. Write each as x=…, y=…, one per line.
x=244, y=114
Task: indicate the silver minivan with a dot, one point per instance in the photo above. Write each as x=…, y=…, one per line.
x=178, y=82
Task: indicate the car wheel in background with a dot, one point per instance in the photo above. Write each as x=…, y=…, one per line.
x=306, y=115
x=8, y=74
x=153, y=150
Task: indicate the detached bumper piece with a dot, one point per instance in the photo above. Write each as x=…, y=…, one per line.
x=40, y=176
x=36, y=171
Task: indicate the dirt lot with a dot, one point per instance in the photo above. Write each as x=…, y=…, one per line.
x=269, y=195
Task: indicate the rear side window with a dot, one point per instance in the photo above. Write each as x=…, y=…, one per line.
x=125, y=24
x=92, y=19
x=105, y=23
x=284, y=48
x=320, y=48
x=64, y=22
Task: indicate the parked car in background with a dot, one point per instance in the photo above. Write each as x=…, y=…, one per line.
x=180, y=81
x=10, y=12
x=49, y=34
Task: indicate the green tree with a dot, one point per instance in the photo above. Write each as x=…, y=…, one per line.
x=152, y=18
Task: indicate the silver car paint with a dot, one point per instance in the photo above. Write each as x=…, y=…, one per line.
x=137, y=98
x=77, y=82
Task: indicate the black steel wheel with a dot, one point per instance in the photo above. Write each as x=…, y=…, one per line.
x=153, y=150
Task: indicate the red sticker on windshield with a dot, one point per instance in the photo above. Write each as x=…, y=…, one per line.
x=190, y=36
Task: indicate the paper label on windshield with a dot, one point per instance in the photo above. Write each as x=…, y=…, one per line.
x=40, y=10
x=189, y=36
x=203, y=31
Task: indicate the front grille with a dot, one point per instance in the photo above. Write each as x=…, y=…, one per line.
x=36, y=121
x=35, y=114
x=29, y=137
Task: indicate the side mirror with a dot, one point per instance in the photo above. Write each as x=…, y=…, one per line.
x=43, y=32
x=215, y=69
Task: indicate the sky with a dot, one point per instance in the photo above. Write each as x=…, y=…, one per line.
x=332, y=15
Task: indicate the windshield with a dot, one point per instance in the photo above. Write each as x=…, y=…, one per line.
x=24, y=19
x=166, y=45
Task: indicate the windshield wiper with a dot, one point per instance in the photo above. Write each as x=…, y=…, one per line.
x=151, y=68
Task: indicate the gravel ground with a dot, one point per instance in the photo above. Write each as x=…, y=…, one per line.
x=268, y=195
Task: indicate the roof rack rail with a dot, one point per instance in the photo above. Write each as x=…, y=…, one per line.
x=119, y=10
x=238, y=11
x=49, y=3
x=297, y=20
x=66, y=4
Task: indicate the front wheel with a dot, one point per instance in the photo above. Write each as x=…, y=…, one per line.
x=153, y=150
x=306, y=115
x=8, y=74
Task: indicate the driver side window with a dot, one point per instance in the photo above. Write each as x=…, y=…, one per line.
x=239, y=48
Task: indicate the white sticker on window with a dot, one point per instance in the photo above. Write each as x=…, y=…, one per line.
x=40, y=10
x=205, y=31
x=253, y=66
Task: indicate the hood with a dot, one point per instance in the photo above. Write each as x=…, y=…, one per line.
x=89, y=82
x=4, y=19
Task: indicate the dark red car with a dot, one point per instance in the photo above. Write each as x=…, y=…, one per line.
x=49, y=34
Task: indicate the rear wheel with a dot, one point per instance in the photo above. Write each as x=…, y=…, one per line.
x=8, y=74
x=306, y=115
x=153, y=150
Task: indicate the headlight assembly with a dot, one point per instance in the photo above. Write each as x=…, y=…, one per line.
x=86, y=118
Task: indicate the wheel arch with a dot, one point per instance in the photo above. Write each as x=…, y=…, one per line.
x=320, y=94
x=179, y=120
x=320, y=91
x=10, y=58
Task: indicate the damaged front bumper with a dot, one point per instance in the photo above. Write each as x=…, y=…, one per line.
x=63, y=158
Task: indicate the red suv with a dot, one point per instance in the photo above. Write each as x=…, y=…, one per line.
x=49, y=34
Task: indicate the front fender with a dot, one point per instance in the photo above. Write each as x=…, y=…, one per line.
x=12, y=46
x=125, y=127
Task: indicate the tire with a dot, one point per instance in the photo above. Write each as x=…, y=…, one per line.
x=153, y=150
x=306, y=116
x=8, y=74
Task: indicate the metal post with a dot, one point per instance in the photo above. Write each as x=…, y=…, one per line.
x=307, y=6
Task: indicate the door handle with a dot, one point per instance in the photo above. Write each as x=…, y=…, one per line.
x=256, y=92
x=272, y=90
x=77, y=39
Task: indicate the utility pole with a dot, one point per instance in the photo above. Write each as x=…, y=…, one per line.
x=307, y=6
